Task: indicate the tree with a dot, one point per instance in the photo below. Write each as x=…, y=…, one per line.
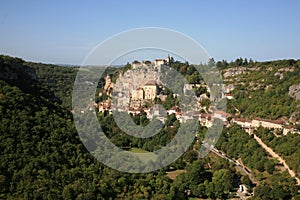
x=190, y=156
x=170, y=120
x=262, y=192
x=239, y=62
x=209, y=189
x=260, y=166
x=269, y=166
x=200, y=90
x=246, y=180
x=211, y=62
x=222, y=181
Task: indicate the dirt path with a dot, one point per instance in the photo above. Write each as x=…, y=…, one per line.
x=275, y=155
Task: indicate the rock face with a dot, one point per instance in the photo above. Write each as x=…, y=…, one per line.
x=234, y=71
x=108, y=85
x=294, y=91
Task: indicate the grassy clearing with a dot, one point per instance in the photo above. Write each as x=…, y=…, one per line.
x=173, y=174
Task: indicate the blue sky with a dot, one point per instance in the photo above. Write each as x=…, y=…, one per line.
x=64, y=32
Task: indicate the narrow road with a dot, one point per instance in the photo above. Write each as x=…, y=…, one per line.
x=275, y=155
x=239, y=165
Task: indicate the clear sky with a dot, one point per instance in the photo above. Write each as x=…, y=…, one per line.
x=63, y=32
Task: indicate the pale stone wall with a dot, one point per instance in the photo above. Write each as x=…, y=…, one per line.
x=138, y=94
x=270, y=125
x=266, y=124
x=150, y=91
x=256, y=123
x=159, y=62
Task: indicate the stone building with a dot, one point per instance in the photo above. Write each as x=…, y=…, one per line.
x=138, y=94
x=150, y=90
x=276, y=124
x=243, y=122
x=163, y=61
x=159, y=62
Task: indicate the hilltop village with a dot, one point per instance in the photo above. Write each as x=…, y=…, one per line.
x=137, y=95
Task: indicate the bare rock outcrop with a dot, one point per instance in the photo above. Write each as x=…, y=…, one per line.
x=294, y=91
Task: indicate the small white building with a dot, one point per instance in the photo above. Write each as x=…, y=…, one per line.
x=229, y=96
x=290, y=129
x=159, y=62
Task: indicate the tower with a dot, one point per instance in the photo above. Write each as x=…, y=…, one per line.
x=168, y=59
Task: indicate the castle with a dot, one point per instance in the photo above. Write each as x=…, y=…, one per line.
x=156, y=62
x=150, y=90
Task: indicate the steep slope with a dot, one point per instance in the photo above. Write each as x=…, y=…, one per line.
x=38, y=142
x=261, y=89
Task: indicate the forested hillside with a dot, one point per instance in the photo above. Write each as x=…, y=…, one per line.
x=42, y=157
x=57, y=79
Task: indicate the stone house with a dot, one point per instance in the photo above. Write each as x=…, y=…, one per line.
x=150, y=90
x=243, y=122
x=266, y=123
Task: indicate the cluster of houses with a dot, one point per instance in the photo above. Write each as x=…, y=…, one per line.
x=205, y=119
x=104, y=106
x=149, y=91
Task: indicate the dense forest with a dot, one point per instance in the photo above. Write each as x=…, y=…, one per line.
x=42, y=157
